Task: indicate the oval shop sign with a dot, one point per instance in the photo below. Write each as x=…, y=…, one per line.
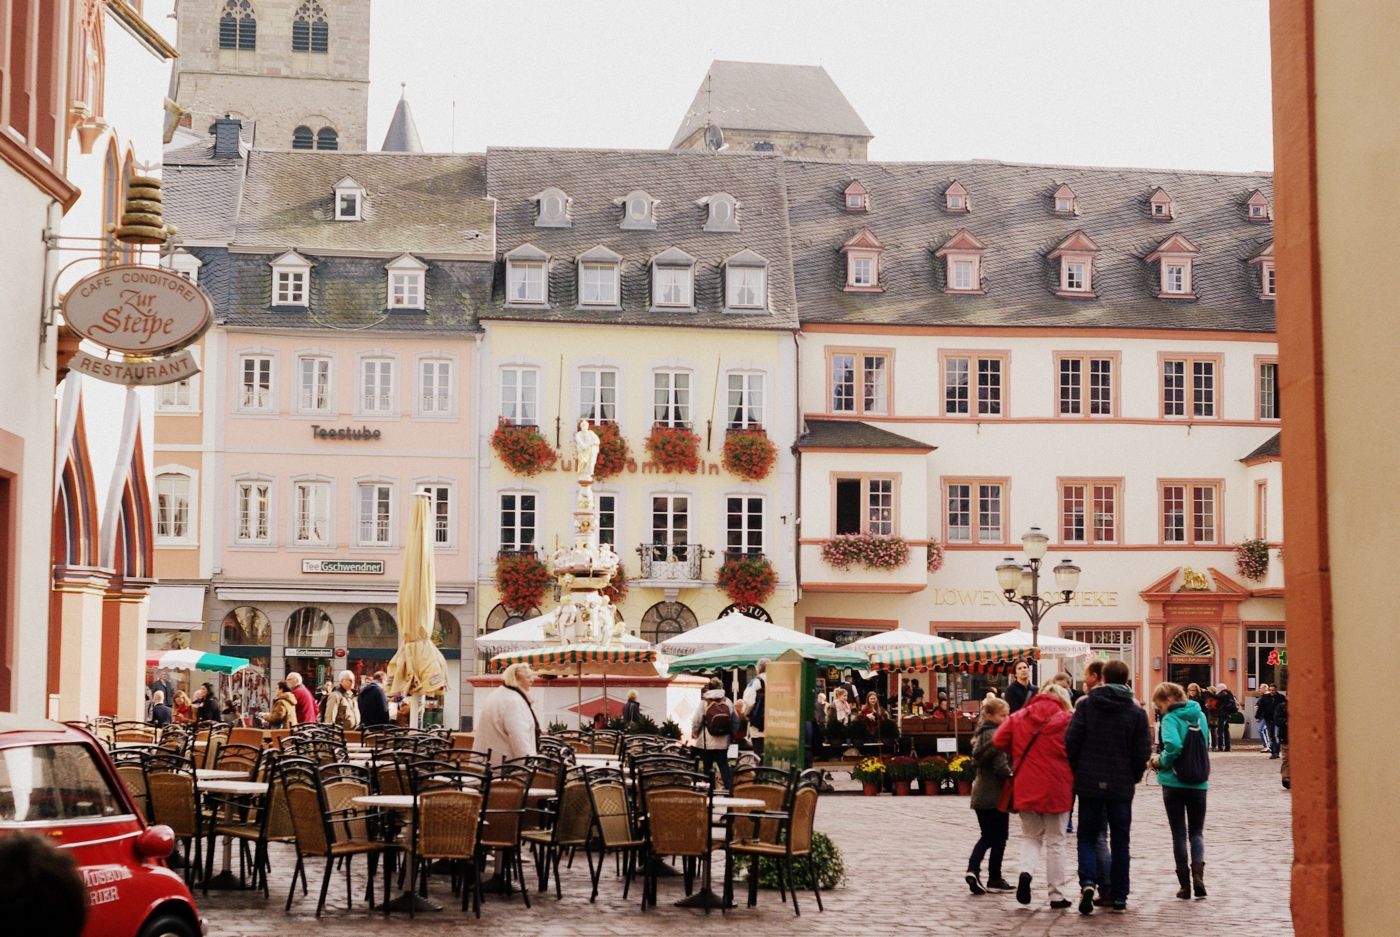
x=138, y=310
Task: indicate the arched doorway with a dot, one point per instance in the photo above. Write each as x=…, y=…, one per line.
x=1191, y=658
x=447, y=632
x=310, y=642
x=371, y=639
x=666, y=620
x=246, y=631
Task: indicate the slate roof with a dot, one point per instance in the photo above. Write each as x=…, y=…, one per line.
x=402, y=135
x=854, y=434
x=765, y=96
x=678, y=179
x=425, y=203
x=1269, y=448
x=1011, y=212
x=200, y=198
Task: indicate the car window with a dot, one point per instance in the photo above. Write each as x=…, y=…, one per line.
x=41, y=783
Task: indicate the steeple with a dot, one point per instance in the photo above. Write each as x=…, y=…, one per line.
x=402, y=136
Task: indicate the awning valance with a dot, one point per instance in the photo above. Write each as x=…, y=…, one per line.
x=175, y=607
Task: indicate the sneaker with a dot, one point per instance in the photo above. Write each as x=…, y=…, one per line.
x=1023, y=888
x=1086, y=900
x=1000, y=884
x=1060, y=904
x=1120, y=907
x=1286, y=784
x=974, y=884
x=1103, y=901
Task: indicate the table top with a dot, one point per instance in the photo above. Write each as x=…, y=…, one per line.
x=234, y=787
x=590, y=756
x=741, y=803
x=391, y=801
x=220, y=774
x=536, y=792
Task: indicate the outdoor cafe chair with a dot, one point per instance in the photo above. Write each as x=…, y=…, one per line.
x=794, y=843
x=246, y=735
x=552, y=746
x=448, y=819
x=266, y=820
x=131, y=731
x=322, y=831
x=678, y=825
x=568, y=828
x=505, y=812
x=131, y=768
x=174, y=738
x=341, y=783
x=606, y=741
x=173, y=791
x=773, y=786
x=613, y=827
x=233, y=757
x=473, y=762
x=633, y=745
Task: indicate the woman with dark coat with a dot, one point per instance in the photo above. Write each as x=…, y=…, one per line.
x=993, y=772
x=206, y=704
x=1020, y=690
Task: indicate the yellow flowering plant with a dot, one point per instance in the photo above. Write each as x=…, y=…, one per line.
x=961, y=768
x=869, y=771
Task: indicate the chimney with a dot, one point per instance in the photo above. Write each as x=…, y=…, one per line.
x=226, y=133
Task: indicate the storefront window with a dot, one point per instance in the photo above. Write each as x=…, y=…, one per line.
x=372, y=636
x=447, y=631
x=310, y=644
x=968, y=686
x=246, y=625
x=250, y=690
x=1261, y=643
x=1106, y=644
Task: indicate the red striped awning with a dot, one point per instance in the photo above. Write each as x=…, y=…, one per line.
x=581, y=659
x=972, y=656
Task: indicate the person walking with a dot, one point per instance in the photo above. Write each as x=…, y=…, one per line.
x=632, y=709
x=1108, y=744
x=993, y=773
x=341, y=706
x=206, y=704
x=711, y=729
x=1281, y=736
x=1041, y=788
x=1225, y=707
x=283, y=714
x=374, y=702
x=1263, y=718
x=160, y=713
x=505, y=723
x=754, y=706
x=1093, y=677
x=1020, y=690
x=306, y=703
x=1183, y=797
x=1276, y=699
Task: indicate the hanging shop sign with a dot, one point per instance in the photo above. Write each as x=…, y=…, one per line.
x=352, y=567
x=143, y=314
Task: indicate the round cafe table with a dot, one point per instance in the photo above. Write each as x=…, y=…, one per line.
x=219, y=774
x=705, y=897
x=408, y=900
x=225, y=785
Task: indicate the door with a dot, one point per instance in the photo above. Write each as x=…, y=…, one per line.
x=1189, y=673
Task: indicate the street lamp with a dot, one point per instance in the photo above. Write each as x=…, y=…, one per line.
x=1021, y=584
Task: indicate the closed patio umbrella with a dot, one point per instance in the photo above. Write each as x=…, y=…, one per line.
x=418, y=668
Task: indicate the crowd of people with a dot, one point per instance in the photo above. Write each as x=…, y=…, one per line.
x=342, y=703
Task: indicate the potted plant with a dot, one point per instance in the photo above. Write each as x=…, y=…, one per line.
x=522, y=579
x=747, y=579
x=932, y=772
x=935, y=555
x=674, y=448
x=962, y=770
x=1236, y=721
x=902, y=772
x=870, y=551
x=616, y=589
x=870, y=772
x=1252, y=559
x=749, y=453
x=522, y=448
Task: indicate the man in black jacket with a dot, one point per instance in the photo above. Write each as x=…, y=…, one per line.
x=374, y=704
x=1108, y=744
x=1264, y=718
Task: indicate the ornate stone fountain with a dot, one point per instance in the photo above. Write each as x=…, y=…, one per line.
x=586, y=567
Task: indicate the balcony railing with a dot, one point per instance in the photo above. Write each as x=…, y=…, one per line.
x=518, y=551
x=672, y=562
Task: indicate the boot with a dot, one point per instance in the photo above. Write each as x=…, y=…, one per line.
x=1183, y=877
x=1198, y=878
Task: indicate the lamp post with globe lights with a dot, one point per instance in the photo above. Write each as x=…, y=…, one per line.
x=1021, y=584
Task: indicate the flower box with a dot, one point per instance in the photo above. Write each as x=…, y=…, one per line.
x=522, y=448
x=870, y=551
x=747, y=580
x=749, y=453
x=674, y=448
x=522, y=579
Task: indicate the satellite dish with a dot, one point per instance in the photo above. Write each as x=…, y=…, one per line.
x=714, y=138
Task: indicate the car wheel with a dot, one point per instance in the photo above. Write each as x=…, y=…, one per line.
x=168, y=925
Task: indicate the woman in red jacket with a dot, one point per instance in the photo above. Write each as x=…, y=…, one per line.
x=1042, y=788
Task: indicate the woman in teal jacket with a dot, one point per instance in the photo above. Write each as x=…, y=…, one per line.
x=1185, y=803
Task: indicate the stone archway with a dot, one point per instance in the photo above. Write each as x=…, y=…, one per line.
x=1191, y=656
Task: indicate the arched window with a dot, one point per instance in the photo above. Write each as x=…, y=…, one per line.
x=111, y=193
x=246, y=625
x=310, y=32
x=302, y=138
x=238, y=27
x=502, y=617
x=666, y=620
x=372, y=628
x=448, y=631
x=309, y=627
x=327, y=139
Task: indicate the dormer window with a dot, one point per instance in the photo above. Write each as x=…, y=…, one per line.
x=349, y=200
x=1264, y=260
x=746, y=281
x=857, y=199
x=1160, y=205
x=863, y=262
x=406, y=277
x=552, y=209
x=1175, y=257
x=1257, y=208
x=723, y=212
x=291, y=280
x=638, y=211
x=955, y=197
x=673, y=280
x=1064, y=201
x=1076, y=256
x=598, y=274
x=527, y=276
x=185, y=264
x=962, y=259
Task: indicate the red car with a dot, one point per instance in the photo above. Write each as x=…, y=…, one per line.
x=57, y=781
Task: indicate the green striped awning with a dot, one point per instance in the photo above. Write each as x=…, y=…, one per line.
x=581, y=659
x=955, y=655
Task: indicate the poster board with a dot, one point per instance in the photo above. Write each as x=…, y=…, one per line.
x=787, y=710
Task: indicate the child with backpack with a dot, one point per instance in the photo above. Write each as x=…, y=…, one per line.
x=1183, y=771
x=711, y=730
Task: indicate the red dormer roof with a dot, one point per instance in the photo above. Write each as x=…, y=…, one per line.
x=964, y=241
x=1077, y=243
x=863, y=239
x=1176, y=245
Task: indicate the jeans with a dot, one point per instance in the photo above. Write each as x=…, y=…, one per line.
x=1266, y=734
x=1186, y=815
x=996, y=827
x=1220, y=735
x=1094, y=814
x=712, y=758
x=1046, y=830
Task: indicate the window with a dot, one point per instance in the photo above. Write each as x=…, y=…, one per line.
x=1190, y=513
x=1258, y=206
x=1076, y=256
x=327, y=139
x=856, y=197
x=745, y=399
x=862, y=271
x=1160, y=205
x=1261, y=510
x=865, y=505
x=743, y=524
x=671, y=398
x=375, y=506
x=723, y=214
x=525, y=282
x=598, y=284
x=517, y=521
x=862, y=254
x=1258, y=211
x=313, y=384
x=670, y=527
x=520, y=388
x=173, y=508
x=1203, y=375
x=376, y=385
x=747, y=283
x=1268, y=390
x=638, y=211
x=1089, y=511
x=1104, y=644
x=962, y=259
x=257, y=382
x=1268, y=284
x=1064, y=201
x=975, y=511
x=175, y=397
x=1064, y=206
x=313, y=513
x=1074, y=276
x=671, y=286
x=347, y=205
x=955, y=203
x=1159, y=209
x=552, y=207
x=959, y=373
x=597, y=394
x=303, y=139
x=962, y=274
x=1174, y=278
x=607, y=519
x=1175, y=257
x=1260, y=645
x=1072, y=370
x=863, y=373
x=440, y=507
x=406, y=278
x=185, y=264
x=435, y=387
x=310, y=33
x=238, y=27
x=253, y=510
x=291, y=275
x=50, y=784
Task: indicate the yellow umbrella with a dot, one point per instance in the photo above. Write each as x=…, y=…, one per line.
x=418, y=667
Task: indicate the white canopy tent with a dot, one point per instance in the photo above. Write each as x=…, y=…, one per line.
x=730, y=631
x=1050, y=645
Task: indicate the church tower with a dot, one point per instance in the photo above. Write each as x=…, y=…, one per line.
x=295, y=70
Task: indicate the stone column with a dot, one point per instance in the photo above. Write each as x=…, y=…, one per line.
x=75, y=640
x=125, y=607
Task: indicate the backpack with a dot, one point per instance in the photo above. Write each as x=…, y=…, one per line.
x=719, y=718
x=756, y=714
x=1192, y=766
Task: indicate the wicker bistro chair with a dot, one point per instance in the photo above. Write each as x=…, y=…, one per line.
x=131, y=768
x=613, y=828
x=262, y=822
x=773, y=786
x=794, y=843
x=232, y=757
x=472, y=762
x=324, y=832
x=448, y=819
x=678, y=824
x=341, y=783
x=130, y=731
x=571, y=821
x=504, y=821
x=174, y=738
x=173, y=791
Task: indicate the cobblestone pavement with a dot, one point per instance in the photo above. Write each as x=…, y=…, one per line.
x=905, y=858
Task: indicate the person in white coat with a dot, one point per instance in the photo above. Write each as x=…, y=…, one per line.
x=505, y=722
x=756, y=691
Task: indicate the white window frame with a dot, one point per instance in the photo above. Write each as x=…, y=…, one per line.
x=616, y=500
x=326, y=488
x=246, y=491
x=1074, y=275
x=863, y=269
x=183, y=263
x=668, y=545
x=348, y=188
x=1176, y=276
x=593, y=404
x=610, y=275
x=961, y=266
x=1064, y=205
x=1268, y=280
x=405, y=283
x=745, y=527
x=301, y=404
x=976, y=490
x=291, y=281
x=664, y=381
x=517, y=541
x=534, y=276
x=666, y=275
x=441, y=404
x=389, y=490
x=736, y=274
x=436, y=488
x=246, y=404
x=191, y=479
x=957, y=202
x=191, y=388
x=385, y=403
x=741, y=398
x=513, y=401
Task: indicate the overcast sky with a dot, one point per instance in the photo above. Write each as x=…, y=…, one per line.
x=1181, y=84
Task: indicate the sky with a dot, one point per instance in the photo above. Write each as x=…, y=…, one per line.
x=1182, y=84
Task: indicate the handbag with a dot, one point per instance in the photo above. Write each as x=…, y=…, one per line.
x=1006, y=803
